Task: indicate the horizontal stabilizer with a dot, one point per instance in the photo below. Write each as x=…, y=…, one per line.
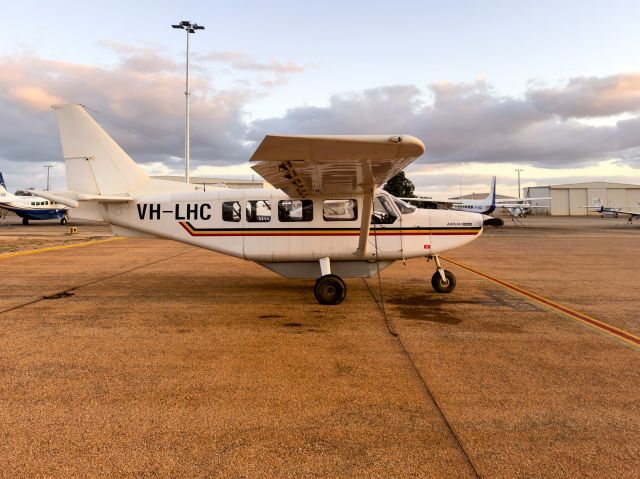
x=72, y=198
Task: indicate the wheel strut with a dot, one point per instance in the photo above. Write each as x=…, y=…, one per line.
x=439, y=268
x=443, y=281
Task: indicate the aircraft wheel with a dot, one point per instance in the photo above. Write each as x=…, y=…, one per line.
x=443, y=286
x=63, y=220
x=330, y=289
x=25, y=221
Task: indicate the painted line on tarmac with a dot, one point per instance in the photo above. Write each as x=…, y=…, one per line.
x=54, y=248
x=583, y=318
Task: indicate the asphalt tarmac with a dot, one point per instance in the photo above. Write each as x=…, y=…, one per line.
x=148, y=358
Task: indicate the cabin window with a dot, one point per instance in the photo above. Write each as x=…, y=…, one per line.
x=383, y=213
x=340, y=210
x=295, y=210
x=258, y=211
x=231, y=211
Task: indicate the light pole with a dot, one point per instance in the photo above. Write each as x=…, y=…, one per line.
x=189, y=27
x=48, y=167
x=519, y=170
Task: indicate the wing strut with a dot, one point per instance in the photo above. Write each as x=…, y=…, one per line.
x=367, y=209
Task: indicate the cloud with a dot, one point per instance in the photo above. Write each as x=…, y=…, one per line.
x=590, y=96
x=471, y=123
x=33, y=97
x=141, y=104
x=139, y=101
x=239, y=61
x=242, y=61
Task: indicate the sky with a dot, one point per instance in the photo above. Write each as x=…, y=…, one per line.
x=551, y=88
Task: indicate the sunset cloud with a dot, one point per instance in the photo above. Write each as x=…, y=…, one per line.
x=34, y=97
x=590, y=96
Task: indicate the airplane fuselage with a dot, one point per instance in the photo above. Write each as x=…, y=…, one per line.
x=267, y=226
x=479, y=207
x=33, y=207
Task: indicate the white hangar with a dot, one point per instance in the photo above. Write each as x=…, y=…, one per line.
x=570, y=199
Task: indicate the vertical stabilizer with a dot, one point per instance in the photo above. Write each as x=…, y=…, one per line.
x=492, y=192
x=95, y=163
x=2, y=182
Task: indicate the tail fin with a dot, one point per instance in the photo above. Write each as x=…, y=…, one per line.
x=492, y=192
x=2, y=181
x=95, y=162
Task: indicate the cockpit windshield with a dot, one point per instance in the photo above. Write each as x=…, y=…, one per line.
x=405, y=208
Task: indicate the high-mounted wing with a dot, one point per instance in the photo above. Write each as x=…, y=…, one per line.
x=335, y=165
x=328, y=165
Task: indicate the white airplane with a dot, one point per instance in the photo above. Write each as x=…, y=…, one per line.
x=31, y=207
x=327, y=218
x=615, y=212
x=518, y=208
x=483, y=206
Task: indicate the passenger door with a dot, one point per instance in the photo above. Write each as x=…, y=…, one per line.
x=385, y=226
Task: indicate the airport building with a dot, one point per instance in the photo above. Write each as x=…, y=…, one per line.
x=571, y=199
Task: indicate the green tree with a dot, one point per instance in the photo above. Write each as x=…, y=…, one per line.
x=400, y=186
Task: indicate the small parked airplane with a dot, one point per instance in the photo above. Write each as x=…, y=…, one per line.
x=31, y=207
x=327, y=218
x=485, y=206
x=610, y=211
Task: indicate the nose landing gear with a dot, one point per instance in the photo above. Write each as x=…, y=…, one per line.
x=443, y=281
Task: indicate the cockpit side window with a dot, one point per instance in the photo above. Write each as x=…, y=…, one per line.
x=383, y=212
x=340, y=210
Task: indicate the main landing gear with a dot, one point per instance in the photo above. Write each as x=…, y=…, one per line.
x=443, y=281
x=329, y=288
x=63, y=220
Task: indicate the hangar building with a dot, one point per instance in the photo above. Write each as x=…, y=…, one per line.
x=569, y=199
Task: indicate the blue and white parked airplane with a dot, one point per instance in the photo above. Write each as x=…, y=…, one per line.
x=484, y=206
x=514, y=207
x=31, y=207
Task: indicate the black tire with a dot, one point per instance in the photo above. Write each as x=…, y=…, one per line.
x=25, y=221
x=330, y=289
x=441, y=286
x=63, y=220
